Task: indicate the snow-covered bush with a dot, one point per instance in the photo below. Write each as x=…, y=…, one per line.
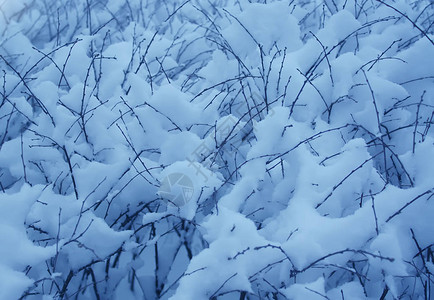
x=216, y=149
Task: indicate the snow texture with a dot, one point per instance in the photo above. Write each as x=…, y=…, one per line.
x=216, y=149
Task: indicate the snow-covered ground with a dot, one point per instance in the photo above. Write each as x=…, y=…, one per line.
x=166, y=149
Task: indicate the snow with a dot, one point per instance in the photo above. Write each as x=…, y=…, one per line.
x=314, y=290
x=17, y=251
x=13, y=283
x=216, y=149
